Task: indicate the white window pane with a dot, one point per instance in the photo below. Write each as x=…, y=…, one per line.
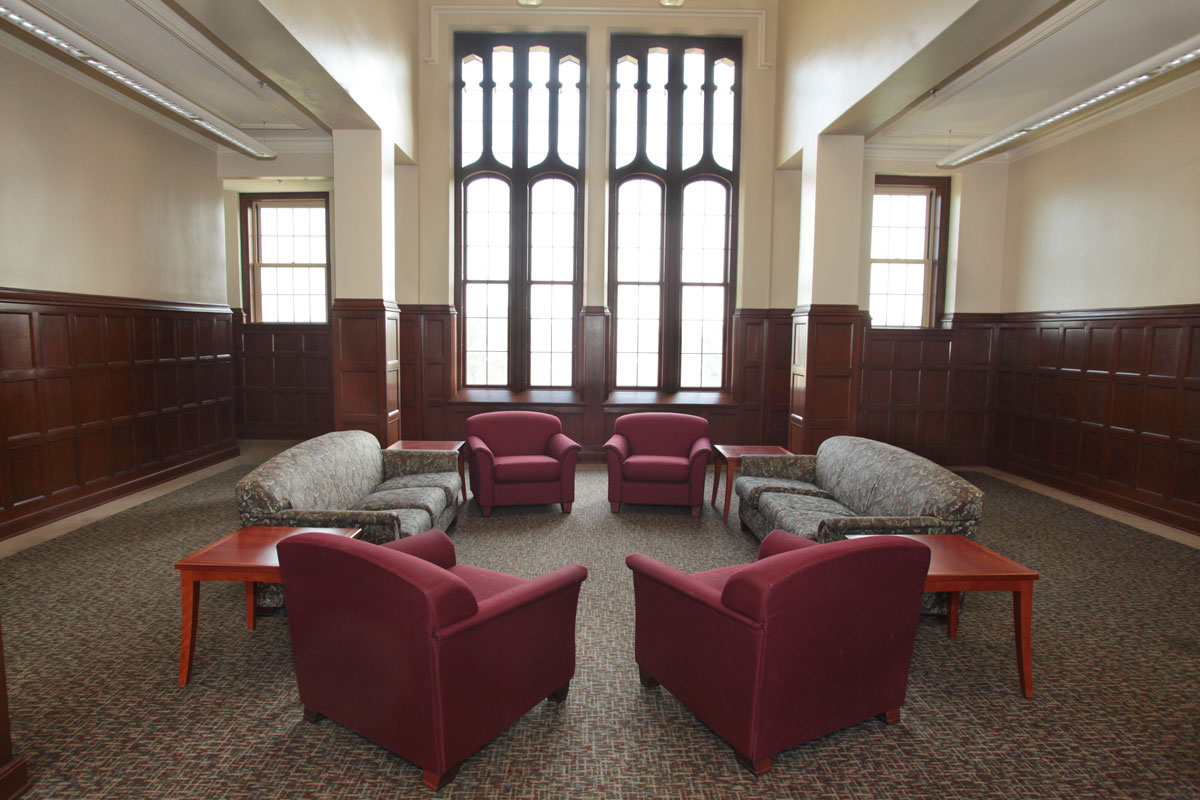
x=539, y=336
x=286, y=250
x=879, y=242
x=539, y=369
x=916, y=243
x=714, y=267
x=647, y=336
x=564, y=302
x=714, y=302
x=648, y=305
x=692, y=132
x=568, y=111
x=476, y=368
x=912, y=310
x=316, y=308
x=300, y=222
x=710, y=376
x=560, y=370
x=283, y=221
x=878, y=278
x=472, y=109
x=540, y=303
x=690, y=333
x=300, y=250
x=691, y=303
x=561, y=335
x=270, y=308
x=895, y=312
x=897, y=245
x=723, y=112
x=626, y=369
x=647, y=371
x=656, y=106
x=540, y=266
x=476, y=299
x=917, y=210
x=502, y=106
x=285, y=283
x=268, y=276
x=915, y=279
x=497, y=368
x=710, y=339
x=689, y=370
x=627, y=110
x=269, y=245
x=268, y=221
x=497, y=300
x=539, y=104
x=300, y=304
x=497, y=333
x=880, y=208
x=896, y=278
x=476, y=333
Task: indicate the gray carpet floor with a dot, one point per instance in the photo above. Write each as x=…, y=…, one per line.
x=91, y=623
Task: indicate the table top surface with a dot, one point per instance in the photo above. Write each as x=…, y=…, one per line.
x=730, y=451
x=252, y=547
x=955, y=556
x=423, y=444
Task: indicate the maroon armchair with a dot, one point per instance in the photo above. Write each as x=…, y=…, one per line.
x=658, y=458
x=520, y=458
x=805, y=641
x=428, y=658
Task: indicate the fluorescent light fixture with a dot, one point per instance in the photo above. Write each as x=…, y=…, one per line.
x=670, y=3
x=64, y=39
x=1168, y=61
x=529, y=2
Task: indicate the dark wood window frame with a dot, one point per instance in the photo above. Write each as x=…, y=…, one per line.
x=521, y=178
x=939, y=218
x=249, y=228
x=673, y=180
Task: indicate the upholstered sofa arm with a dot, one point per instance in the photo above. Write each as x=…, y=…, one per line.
x=518, y=597
x=433, y=546
x=780, y=541
x=618, y=445
x=413, y=462
x=560, y=446
x=643, y=566
x=334, y=518
x=837, y=528
x=791, y=467
x=701, y=450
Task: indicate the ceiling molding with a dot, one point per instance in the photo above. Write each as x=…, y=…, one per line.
x=924, y=154
x=439, y=19
x=1107, y=116
x=74, y=74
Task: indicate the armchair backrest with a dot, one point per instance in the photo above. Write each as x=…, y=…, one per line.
x=514, y=433
x=661, y=433
x=876, y=479
x=329, y=472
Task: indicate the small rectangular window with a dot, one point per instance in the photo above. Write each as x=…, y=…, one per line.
x=285, y=253
x=909, y=228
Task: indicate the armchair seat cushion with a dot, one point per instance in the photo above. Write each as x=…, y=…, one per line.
x=484, y=583
x=430, y=499
x=527, y=469
x=801, y=514
x=673, y=469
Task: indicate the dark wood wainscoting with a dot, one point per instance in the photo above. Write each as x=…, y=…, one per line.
x=754, y=412
x=826, y=369
x=284, y=380
x=1105, y=404
x=103, y=396
x=927, y=390
x=366, y=367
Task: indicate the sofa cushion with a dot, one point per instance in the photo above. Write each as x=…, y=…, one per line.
x=800, y=514
x=666, y=469
x=448, y=482
x=526, y=469
x=749, y=488
x=429, y=499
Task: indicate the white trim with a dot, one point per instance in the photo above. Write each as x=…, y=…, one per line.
x=756, y=17
x=926, y=154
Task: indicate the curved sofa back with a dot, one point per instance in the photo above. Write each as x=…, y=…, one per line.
x=329, y=472
x=875, y=479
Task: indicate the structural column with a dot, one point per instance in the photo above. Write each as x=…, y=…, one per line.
x=365, y=318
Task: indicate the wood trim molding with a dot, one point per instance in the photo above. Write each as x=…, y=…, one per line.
x=825, y=372
x=40, y=297
x=366, y=367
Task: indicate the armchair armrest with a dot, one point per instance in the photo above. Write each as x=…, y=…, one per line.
x=837, y=528
x=792, y=467
x=618, y=445
x=680, y=582
x=518, y=597
x=560, y=446
x=433, y=546
x=414, y=462
x=780, y=541
x=479, y=448
x=701, y=449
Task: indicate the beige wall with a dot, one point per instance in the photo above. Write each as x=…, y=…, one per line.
x=1109, y=218
x=369, y=47
x=97, y=199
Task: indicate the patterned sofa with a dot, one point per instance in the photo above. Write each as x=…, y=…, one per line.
x=855, y=486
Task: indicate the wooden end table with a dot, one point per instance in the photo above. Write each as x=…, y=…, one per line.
x=958, y=564
x=437, y=444
x=247, y=555
x=731, y=456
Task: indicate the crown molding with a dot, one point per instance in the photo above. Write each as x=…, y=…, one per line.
x=923, y=153
x=439, y=19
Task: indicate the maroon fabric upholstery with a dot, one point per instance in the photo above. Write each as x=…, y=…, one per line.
x=658, y=458
x=520, y=458
x=423, y=656
x=805, y=641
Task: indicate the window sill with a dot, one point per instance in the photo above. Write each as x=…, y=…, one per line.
x=629, y=397
x=533, y=397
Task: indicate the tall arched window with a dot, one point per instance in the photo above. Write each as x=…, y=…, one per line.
x=674, y=177
x=519, y=156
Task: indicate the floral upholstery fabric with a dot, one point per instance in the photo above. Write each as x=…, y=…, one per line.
x=429, y=499
x=448, y=482
x=418, y=462
x=793, y=467
x=800, y=514
x=750, y=488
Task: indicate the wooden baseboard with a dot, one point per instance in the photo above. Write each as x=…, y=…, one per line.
x=14, y=778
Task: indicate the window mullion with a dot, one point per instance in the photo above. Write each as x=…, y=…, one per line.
x=518, y=280
x=673, y=235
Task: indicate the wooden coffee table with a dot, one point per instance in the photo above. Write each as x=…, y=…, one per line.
x=731, y=456
x=958, y=564
x=437, y=444
x=247, y=555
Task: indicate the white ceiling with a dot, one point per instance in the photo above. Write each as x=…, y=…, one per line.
x=1087, y=43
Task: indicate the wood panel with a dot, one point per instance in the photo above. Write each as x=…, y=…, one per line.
x=14, y=772
x=367, y=367
x=1105, y=404
x=103, y=396
x=826, y=370
x=284, y=380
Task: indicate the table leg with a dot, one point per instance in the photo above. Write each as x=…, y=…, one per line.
x=952, y=617
x=1023, y=627
x=249, y=605
x=191, y=607
x=716, y=481
x=462, y=475
x=728, y=487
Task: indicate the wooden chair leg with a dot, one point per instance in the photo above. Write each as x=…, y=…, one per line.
x=434, y=781
x=892, y=716
x=615, y=507
x=696, y=510
x=313, y=716
x=647, y=679
x=560, y=694
x=485, y=510
x=566, y=508
x=760, y=766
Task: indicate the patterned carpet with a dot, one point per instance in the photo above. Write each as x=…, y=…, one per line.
x=91, y=624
